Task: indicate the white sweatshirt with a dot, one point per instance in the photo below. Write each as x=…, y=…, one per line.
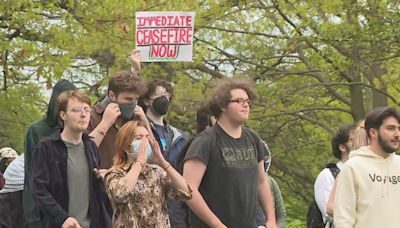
x=368, y=191
x=14, y=175
x=322, y=189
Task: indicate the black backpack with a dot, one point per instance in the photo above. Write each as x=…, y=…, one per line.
x=314, y=215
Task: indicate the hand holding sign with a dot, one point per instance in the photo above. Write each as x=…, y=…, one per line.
x=136, y=59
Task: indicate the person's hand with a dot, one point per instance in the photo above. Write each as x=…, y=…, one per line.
x=139, y=113
x=100, y=173
x=142, y=153
x=158, y=158
x=70, y=223
x=271, y=224
x=111, y=114
x=136, y=59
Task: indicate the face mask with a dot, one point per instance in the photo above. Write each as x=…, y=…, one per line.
x=136, y=145
x=106, y=101
x=160, y=105
x=126, y=109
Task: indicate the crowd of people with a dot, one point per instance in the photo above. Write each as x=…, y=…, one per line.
x=120, y=163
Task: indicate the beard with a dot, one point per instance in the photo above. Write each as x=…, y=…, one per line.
x=385, y=145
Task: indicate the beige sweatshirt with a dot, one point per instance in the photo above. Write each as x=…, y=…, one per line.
x=368, y=191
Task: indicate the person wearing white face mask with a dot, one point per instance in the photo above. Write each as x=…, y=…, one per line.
x=139, y=191
x=171, y=140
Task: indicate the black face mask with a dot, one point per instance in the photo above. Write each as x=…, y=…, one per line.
x=160, y=105
x=126, y=109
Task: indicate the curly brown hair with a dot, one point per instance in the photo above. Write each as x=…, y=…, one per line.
x=220, y=95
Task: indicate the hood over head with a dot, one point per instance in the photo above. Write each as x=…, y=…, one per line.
x=61, y=86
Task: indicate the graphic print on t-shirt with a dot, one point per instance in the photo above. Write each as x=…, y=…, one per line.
x=239, y=157
x=164, y=143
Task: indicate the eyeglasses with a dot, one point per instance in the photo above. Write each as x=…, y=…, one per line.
x=241, y=101
x=85, y=110
x=166, y=94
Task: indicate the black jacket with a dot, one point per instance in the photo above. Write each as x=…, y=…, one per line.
x=49, y=183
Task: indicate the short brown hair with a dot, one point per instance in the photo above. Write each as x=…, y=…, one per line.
x=125, y=81
x=64, y=97
x=376, y=117
x=220, y=95
x=123, y=141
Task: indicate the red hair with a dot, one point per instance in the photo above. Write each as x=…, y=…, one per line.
x=125, y=136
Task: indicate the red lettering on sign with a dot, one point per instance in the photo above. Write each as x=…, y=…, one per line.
x=163, y=51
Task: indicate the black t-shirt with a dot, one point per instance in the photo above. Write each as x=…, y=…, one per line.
x=230, y=182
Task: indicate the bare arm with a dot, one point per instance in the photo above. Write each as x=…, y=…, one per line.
x=265, y=197
x=141, y=116
x=177, y=180
x=331, y=200
x=110, y=114
x=136, y=60
x=193, y=171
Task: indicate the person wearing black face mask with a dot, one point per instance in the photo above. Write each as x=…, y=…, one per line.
x=170, y=139
x=160, y=105
x=113, y=110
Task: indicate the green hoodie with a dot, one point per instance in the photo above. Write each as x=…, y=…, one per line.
x=37, y=131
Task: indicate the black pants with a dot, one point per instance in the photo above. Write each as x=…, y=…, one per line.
x=11, y=210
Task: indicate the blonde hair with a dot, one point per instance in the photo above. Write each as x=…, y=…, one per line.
x=360, y=137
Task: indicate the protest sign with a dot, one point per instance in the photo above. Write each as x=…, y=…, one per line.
x=165, y=36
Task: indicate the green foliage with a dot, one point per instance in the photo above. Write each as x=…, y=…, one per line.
x=19, y=107
x=317, y=65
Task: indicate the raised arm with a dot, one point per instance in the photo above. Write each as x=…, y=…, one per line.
x=177, y=180
x=136, y=60
x=109, y=117
x=118, y=186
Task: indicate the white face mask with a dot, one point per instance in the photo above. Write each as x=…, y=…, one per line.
x=136, y=146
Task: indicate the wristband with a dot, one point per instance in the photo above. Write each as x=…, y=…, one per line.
x=101, y=132
x=169, y=165
x=140, y=163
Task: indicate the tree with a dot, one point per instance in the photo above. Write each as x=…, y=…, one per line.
x=317, y=65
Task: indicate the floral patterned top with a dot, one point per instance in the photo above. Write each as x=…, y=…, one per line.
x=146, y=205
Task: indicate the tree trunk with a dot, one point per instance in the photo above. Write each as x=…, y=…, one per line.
x=378, y=95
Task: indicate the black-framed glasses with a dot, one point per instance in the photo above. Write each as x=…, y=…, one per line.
x=241, y=101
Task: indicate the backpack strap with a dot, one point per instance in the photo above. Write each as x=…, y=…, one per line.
x=182, y=154
x=333, y=168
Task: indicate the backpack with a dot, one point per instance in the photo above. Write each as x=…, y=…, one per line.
x=314, y=215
